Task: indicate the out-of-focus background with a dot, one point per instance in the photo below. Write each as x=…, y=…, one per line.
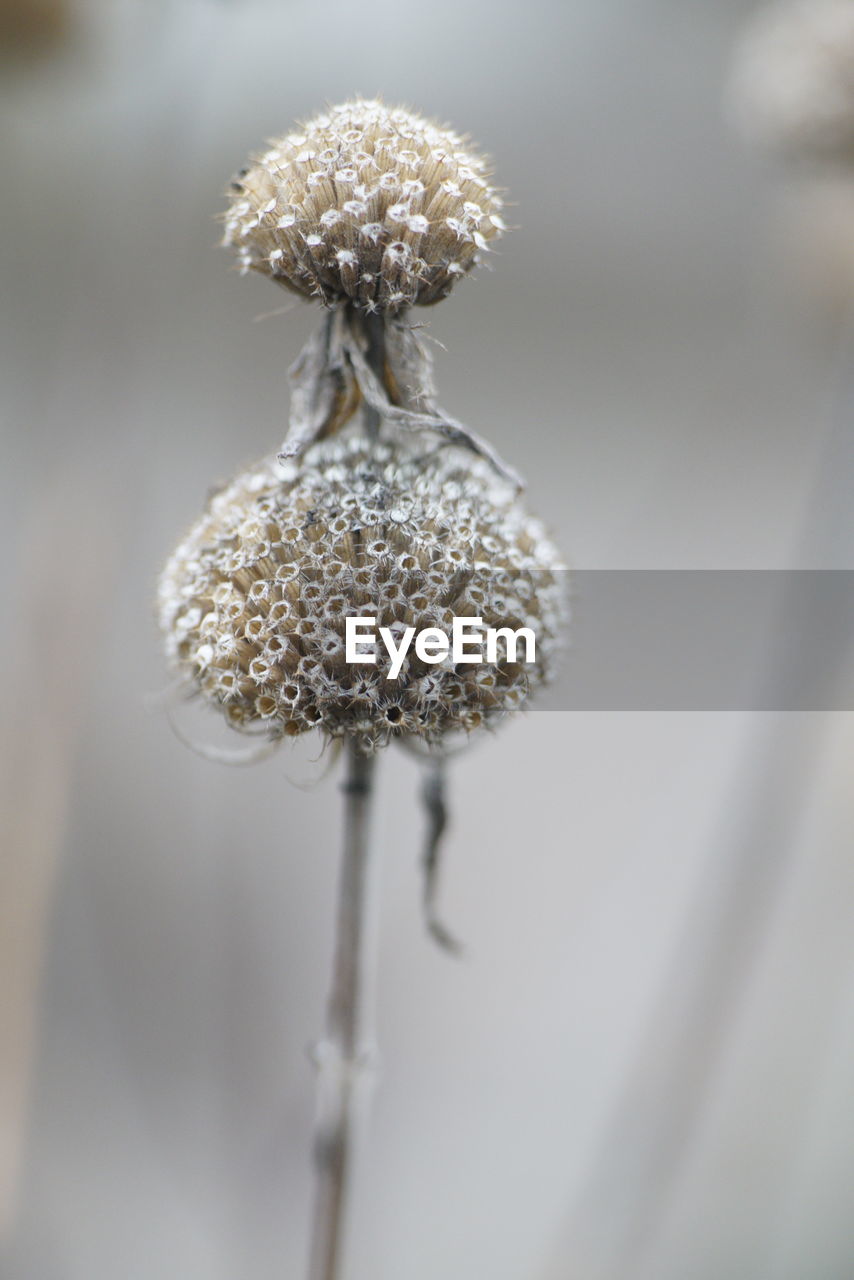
x=643, y=1065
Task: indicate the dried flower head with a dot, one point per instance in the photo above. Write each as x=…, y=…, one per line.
x=793, y=80
x=253, y=602
x=366, y=203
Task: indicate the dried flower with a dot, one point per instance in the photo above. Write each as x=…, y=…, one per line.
x=254, y=602
x=793, y=81
x=365, y=203
x=370, y=209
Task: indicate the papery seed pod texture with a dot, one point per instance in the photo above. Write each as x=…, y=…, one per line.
x=368, y=204
x=253, y=602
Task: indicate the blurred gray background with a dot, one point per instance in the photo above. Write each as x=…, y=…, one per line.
x=643, y=1065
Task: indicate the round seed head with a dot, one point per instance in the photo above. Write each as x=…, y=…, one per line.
x=253, y=603
x=365, y=203
x=793, y=80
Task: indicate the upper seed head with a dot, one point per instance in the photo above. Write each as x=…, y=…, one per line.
x=366, y=203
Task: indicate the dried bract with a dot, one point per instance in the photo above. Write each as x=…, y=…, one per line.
x=365, y=203
x=254, y=602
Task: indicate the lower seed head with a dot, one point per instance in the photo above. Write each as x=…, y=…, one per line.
x=253, y=603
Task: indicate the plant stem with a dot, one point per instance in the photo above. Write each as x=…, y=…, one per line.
x=343, y=1056
x=374, y=326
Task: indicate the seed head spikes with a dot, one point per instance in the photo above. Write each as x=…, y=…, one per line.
x=254, y=602
x=370, y=210
x=365, y=204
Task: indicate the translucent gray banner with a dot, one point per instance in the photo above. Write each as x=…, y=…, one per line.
x=707, y=640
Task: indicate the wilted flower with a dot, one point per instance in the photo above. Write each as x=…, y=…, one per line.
x=254, y=602
x=365, y=203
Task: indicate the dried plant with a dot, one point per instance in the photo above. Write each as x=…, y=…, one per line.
x=370, y=210
x=255, y=599
x=791, y=93
x=367, y=204
x=792, y=84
